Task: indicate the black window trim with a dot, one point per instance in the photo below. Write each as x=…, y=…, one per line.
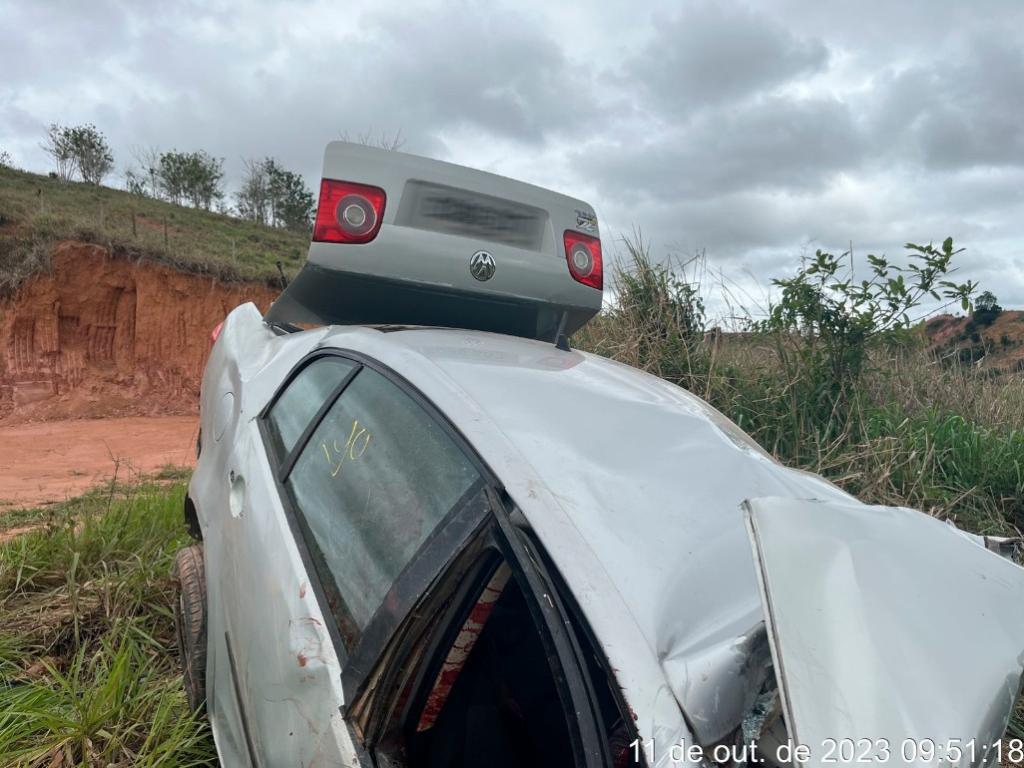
x=325, y=590
x=572, y=610
x=590, y=746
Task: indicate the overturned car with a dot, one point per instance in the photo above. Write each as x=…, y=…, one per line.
x=432, y=546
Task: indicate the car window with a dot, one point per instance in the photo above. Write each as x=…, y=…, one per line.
x=376, y=477
x=298, y=404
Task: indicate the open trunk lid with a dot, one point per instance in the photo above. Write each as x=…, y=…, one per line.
x=887, y=624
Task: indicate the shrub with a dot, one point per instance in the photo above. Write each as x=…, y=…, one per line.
x=824, y=324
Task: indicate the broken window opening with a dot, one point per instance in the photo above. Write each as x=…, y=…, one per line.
x=488, y=691
x=494, y=699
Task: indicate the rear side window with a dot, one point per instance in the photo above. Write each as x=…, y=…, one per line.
x=376, y=477
x=298, y=404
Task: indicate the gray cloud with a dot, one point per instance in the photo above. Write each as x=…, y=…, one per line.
x=712, y=53
x=751, y=130
x=957, y=111
x=778, y=143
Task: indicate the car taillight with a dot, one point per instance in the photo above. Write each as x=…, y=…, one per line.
x=215, y=333
x=348, y=213
x=583, y=254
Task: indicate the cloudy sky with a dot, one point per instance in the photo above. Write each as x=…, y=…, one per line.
x=753, y=131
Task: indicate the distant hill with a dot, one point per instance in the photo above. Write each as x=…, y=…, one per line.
x=997, y=346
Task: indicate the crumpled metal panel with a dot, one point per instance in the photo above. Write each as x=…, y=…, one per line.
x=634, y=487
x=888, y=624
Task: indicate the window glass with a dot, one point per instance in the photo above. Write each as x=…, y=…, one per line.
x=298, y=404
x=374, y=480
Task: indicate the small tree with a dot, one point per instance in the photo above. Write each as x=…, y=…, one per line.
x=291, y=202
x=5, y=159
x=824, y=323
x=986, y=308
x=59, y=147
x=253, y=197
x=271, y=194
x=193, y=177
x=143, y=178
x=90, y=152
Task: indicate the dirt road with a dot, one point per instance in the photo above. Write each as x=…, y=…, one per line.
x=52, y=461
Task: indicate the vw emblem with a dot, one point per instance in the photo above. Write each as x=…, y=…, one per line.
x=482, y=266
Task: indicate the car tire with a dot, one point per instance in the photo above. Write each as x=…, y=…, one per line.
x=190, y=622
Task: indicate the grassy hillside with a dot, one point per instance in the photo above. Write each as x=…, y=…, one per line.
x=995, y=344
x=36, y=211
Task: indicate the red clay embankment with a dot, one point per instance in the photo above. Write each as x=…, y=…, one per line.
x=98, y=336
x=101, y=359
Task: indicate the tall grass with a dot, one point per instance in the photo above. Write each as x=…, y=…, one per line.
x=89, y=674
x=914, y=430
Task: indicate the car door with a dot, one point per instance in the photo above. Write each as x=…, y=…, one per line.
x=491, y=667
x=274, y=667
x=343, y=489
x=895, y=635
x=361, y=515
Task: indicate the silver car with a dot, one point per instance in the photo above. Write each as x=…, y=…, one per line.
x=435, y=547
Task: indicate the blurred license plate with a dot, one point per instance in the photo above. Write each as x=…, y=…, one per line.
x=456, y=211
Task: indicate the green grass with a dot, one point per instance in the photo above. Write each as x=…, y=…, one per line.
x=89, y=673
x=37, y=211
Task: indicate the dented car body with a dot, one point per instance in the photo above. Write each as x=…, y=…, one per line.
x=638, y=504
x=433, y=547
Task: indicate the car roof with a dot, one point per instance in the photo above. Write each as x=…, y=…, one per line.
x=632, y=484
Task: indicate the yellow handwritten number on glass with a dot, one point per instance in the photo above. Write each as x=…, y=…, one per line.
x=352, y=450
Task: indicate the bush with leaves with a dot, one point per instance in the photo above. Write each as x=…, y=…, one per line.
x=79, y=149
x=986, y=309
x=824, y=323
x=190, y=177
x=91, y=153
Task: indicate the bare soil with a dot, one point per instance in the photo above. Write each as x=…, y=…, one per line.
x=1002, y=340
x=101, y=359
x=52, y=461
x=99, y=336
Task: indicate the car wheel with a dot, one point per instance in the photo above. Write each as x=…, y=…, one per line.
x=190, y=621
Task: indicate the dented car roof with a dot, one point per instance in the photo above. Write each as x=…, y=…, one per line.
x=634, y=486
